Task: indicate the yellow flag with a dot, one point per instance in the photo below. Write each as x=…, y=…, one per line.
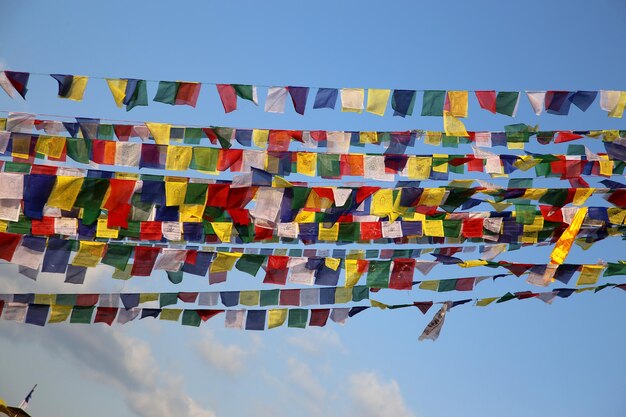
x=525, y=162
x=58, y=314
x=429, y=285
x=439, y=166
x=191, y=213
x=589, y=274
x=306, y=163
x=277, y=317
x=377, y=101
x=534, y=193
x=224, y=261
x=249, y=298
x=458, y=104
x=4, y=225
x=223, y=230
x=343, y=295
x=378, y=304
x=433, y=228
x=352, y=272
x=419, y=167
x=485, y=301
x=606, y=165
x=89, y=254
x=171, y=314
x=452, y=125
x=160, y=132
x=368, y=137
x=432, y=196
x=259, y=137
x=47, y=299
x=148, y=297
x=175, y=190
x=564, y=244
x=118, y=89
x=616, y=215
x=382, y=202
x=103, y=230
x=305, y=216
x=618, y=110
x=280, y=182
x=329, y=234
x=50, y=146
x=332, y=263
x=79, y=83
x=178, y=158
x=581, y=195
x=432, y=138
x=472, y=263
x=64, y=192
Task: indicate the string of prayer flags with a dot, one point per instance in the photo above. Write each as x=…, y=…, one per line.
x=71, y=86
x=178, y=93
x=132, y=92
x=42, y=309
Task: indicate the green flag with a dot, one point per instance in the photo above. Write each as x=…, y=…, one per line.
x=175, y=277
x=269, y=298
x=328, y=165
x=168, y=298
x=196, y=193
x=139, y=97
x=615, y=269
x=432, y=104
x=506, y=102
x=446, y=285
x=360, y=292
x=250, y=263
x=81, y=314
x=298, y=318
x=378, y=274
x=117, y=256
x=204, y=159
x=191, y=318
x=166, y=92
x=245, y=91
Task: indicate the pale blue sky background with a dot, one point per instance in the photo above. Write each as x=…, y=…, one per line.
x=516, y=359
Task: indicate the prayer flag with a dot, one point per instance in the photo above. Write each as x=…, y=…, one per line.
x=326, y=98
x=352, y=100
x=433, y=102
x=19, y=81
x=487, y=100
x=377, y=101
x=402, y=102
x=71, y=86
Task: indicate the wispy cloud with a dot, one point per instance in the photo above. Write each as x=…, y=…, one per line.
x=318, y=342
x=228, y=358
x=372, y=397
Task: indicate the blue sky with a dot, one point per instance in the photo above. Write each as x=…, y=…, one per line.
x=518, y=358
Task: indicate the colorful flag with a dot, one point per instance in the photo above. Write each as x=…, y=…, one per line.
x=19, y=81
x=178, y=93
x=71, y=86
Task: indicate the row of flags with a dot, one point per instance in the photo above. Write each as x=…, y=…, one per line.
x=514, y=136
x=259, y=319
x=260, y=166
x=451, y=105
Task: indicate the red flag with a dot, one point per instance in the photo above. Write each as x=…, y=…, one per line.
x=402, y=274
x=145, y=257
x=487, y=100
x=228, y=97
x=8, y=243
x=319, y=317
x=105, y=315
x=188, y=93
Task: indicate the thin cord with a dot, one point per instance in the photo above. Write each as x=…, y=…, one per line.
x=269, y=86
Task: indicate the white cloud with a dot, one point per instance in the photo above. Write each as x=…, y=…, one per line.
x=110, y=356
x=372, y=397
x=300, y=374
x=227, y=358
x=318, y=341
x=166, y=402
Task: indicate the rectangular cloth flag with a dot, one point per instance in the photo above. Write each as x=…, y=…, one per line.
x=433, y=102
x=178, y=93
x=71, y=86
x=352, y=100
x=326, y=98
x=377, y=101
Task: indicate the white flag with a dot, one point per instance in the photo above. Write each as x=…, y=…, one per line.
x=536, y=99
x=275, y=102
x=433, y=328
